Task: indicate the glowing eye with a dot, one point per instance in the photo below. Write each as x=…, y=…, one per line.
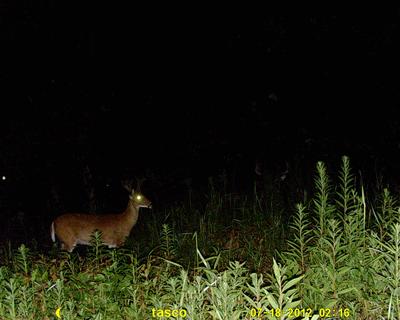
x=3, y=178
x=138, y=197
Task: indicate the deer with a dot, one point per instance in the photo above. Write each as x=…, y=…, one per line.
x=77, y=228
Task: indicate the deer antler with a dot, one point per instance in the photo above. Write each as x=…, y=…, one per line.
x=127, y=184
x=139, y=182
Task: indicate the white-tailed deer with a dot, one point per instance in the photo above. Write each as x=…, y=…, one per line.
x=77, y=228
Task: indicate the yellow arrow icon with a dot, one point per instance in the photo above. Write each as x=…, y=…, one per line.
x=58, y=311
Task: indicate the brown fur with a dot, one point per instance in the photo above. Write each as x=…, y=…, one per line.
x=76, y=228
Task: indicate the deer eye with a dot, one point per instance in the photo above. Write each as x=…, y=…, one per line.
x=138, y=197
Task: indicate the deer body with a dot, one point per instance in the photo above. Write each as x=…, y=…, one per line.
x=77, y=228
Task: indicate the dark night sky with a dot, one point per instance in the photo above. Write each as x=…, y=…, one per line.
x=126, y=90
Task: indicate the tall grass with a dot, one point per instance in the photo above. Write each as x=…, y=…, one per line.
x=226, y=256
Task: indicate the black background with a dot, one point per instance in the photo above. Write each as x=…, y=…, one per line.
x=178, y=93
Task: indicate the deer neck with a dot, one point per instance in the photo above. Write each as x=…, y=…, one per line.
x=131, y=213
